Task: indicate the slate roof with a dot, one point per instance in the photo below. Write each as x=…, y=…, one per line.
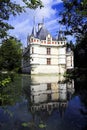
x=42, y=33
x=61, y=36
x=34, y=32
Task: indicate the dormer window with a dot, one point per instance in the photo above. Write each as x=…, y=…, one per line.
x=31, y=39
x=48, y=35
x=48, y=38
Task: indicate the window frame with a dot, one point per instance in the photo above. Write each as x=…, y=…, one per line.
x=48, y=51
x=48, y=61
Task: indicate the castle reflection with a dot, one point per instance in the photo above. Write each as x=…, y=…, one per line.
x=48, y=93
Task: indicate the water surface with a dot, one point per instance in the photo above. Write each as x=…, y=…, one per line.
x=43, y=102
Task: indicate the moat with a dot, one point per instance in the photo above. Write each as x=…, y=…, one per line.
x=43, y=102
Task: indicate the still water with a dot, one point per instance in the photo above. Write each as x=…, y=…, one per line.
x=47, y=103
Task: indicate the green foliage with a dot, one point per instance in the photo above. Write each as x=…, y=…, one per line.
x=42, y=125
x=33, y=4
x=5, y=81
x=32, y=124
x=10, y=54
x=74, y=17
x=28, y=124
x=25, y=124
x=10, y=92
x=81, y=53
x=8, y=7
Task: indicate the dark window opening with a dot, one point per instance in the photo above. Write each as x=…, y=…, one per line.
x=48, y=51
x=48, y=61
x=48, y=97
x=32, y=50
x=49, y=86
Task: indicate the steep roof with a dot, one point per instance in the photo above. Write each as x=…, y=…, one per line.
x=61, y=36
x=42, y=33
x=34, y=32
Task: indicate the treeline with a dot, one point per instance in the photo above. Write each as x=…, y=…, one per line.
x=10, y=47
x=74, y=17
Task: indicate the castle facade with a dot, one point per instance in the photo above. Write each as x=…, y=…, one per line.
x=45, y=54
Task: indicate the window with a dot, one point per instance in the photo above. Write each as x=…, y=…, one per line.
x=31, y=39
x=32, y=50
x=49, y=97
x=48, y=51
x=48, y=39
x=48, y=86
x=48, y=61
x=71, y=61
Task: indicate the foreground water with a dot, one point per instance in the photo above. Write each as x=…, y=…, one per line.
x=43, y=102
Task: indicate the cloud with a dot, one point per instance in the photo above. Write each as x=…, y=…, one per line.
x=23, y=23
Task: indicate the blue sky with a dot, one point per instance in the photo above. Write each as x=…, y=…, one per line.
x=23, y=23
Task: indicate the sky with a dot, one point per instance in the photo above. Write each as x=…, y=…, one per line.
x=24, y=22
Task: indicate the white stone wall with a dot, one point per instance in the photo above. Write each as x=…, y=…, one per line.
x=38, y=79
x=40, y=57
x=62, y=55
x=45, y=69
x=54, y=51
x=62, y=92
x=70, y=60
x=60, y=61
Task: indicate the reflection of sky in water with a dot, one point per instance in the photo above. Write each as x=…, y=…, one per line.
x=45, y=100
x=73, y=114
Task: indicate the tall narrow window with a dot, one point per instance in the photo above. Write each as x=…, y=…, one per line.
x=48, y=39
x=48, y=61
x=48, y=51
x=32, y=50
x=48, y=86
x=49, y=97
x=71, y=60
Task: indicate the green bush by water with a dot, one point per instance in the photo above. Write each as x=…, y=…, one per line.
x=10, y=89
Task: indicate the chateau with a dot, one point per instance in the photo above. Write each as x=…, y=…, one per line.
x=45, y=54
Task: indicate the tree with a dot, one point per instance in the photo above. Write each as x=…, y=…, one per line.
x=7, y=8
x=80, y=53
x=74, y=17
x=10, y=54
